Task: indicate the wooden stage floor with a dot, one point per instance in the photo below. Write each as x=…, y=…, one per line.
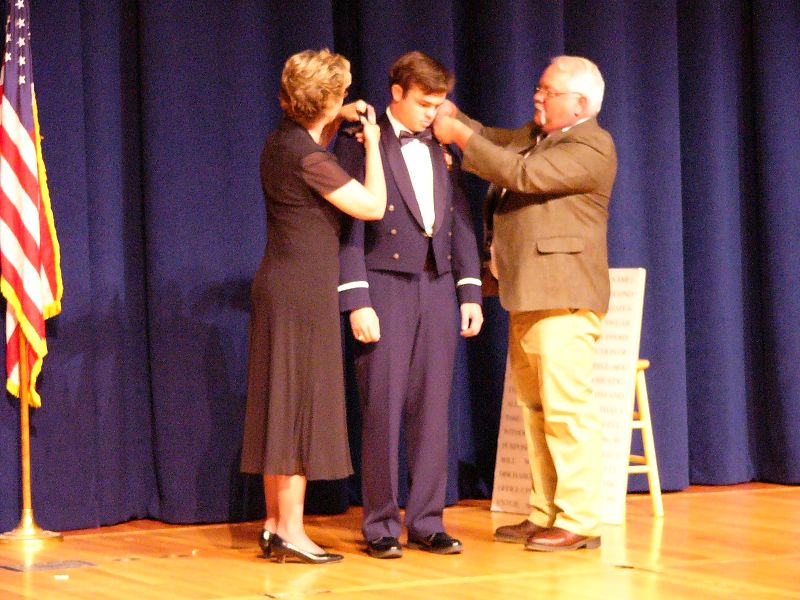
x=726, y=542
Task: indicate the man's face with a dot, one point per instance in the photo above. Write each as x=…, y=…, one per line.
x=555, y=105
x=415, y=109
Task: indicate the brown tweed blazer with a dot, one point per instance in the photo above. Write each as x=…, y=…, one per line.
x=549, y=228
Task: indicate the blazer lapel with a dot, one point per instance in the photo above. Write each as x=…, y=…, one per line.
x=525, y=141
x=548, y=141
x=555, y=136
x=397, y=166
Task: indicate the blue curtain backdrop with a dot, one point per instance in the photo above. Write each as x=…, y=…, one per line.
x=154, y=114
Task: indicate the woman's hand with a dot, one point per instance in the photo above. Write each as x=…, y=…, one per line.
x=362, y=112
x=354, y=110
x=370, y=135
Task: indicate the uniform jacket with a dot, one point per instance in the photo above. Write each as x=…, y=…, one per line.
x=398, y=242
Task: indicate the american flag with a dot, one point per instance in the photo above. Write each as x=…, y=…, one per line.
x=29, y=252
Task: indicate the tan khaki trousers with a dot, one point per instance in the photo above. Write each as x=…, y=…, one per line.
x=551, y=354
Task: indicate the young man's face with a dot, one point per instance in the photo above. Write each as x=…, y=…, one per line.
x=415, y=109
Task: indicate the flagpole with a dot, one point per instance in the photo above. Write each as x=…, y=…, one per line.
x=27, y=530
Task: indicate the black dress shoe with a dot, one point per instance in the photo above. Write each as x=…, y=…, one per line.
x=385, y=547
x=517, y=534
x=438, y=543
x=263, y=543
x=281, y=550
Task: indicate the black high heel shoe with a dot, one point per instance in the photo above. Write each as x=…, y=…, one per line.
x=281, y=549
x=263, y=543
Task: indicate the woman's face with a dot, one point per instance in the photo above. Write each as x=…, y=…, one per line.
x=336, y=105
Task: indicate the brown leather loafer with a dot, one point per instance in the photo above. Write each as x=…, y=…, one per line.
x=517, y=534
x=555, y=538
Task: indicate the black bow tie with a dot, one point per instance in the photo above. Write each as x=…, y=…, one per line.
x=425, y=136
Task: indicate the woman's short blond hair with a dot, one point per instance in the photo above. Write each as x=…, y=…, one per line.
x=312, y=80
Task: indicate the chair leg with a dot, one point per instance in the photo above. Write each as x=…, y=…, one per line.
x=643, y=402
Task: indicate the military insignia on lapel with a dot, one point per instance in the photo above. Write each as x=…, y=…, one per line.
x=448, y=158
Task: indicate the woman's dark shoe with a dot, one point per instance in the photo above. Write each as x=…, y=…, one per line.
x=281, y=550
x=263, y=543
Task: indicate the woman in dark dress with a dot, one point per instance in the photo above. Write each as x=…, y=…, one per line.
x=295, y=427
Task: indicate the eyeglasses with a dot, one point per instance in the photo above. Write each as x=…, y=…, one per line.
x=551, y=94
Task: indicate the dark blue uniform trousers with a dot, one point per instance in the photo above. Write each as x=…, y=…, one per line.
x=405, y=379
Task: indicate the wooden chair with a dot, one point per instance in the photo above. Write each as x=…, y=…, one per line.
x=641, y=420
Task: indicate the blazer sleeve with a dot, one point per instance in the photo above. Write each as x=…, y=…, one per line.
x=353, y=286
x=496, y=135
x=569, y=166
x=466, y=262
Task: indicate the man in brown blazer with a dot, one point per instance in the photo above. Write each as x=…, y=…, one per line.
x=547, y=216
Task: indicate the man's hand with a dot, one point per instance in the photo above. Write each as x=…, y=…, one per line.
x=365, y=325
x=447, y=109
x=471, y=319
x=451, y=131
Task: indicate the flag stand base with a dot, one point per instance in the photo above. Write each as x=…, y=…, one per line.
x=28, y=532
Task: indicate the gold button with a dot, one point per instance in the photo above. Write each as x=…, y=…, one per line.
x=449, y=257
x=390, y=208
x=393, y=231
x=395, y=256
x=452, y=209
x=449, y=234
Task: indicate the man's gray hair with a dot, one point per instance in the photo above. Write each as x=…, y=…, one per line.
x=584, y=78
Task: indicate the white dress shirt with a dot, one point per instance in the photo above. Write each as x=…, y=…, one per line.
x=417, y=155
